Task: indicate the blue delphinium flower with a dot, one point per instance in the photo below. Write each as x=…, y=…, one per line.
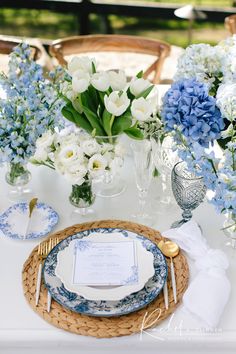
x=192, y=112
x=32, y=106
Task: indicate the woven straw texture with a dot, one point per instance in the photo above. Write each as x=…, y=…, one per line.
x=101, y=327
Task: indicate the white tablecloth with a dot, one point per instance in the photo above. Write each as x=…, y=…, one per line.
x=23, y=331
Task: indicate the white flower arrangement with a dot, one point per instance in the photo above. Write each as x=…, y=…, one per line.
x=76, y=155
x=104, y=103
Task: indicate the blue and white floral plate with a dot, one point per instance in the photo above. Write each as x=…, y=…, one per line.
x=13, y=222
x=130, y=303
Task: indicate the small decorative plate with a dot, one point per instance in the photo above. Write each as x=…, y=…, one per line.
x=65, y=262
x=13, y=221
x=130, y=303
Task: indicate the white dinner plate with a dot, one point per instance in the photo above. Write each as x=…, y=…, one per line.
x=65, y=261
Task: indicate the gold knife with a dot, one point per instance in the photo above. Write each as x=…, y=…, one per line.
x=32, y=205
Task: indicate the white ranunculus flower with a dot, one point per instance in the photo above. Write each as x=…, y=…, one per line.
x=80, y=81
x=70, y=154
x=100, y=81
x=97, y=164
x=40, y=155
x=137, y=86
x=90, y=147
x=45, y=140
x=118, y=80
x=141, y=109
x=81, y=63
x=76, y=173
x=116, y=104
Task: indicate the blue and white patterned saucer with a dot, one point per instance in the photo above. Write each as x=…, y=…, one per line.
x=13, y=222
x=130, y=303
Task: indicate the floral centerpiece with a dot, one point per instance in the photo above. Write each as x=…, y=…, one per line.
x=104, y=103
x=199, y=110
x=32, y=106
x=79, y=158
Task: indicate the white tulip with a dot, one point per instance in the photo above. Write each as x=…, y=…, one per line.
x=80, y=81
x=118, y=80
x=81, y=63
x=100, y=81
x=137, y=86
x=141, y=109
x=97, y=164
x=45, y=140
x=90, y=147
x=116, y=104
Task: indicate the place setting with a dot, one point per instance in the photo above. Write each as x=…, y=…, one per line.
x=103, y=271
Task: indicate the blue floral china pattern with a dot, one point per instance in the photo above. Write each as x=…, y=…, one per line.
x=130, y=303
x=13, y=221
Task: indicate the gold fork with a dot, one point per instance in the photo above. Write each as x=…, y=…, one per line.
x=43, y=250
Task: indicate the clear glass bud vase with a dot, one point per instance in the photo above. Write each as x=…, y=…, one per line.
x=110, y=183
x=18, y=176
x=82, y=198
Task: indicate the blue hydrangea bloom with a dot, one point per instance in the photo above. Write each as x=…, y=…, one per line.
x=188, y=108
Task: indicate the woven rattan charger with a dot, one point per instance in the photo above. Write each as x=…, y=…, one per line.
x=102, y=327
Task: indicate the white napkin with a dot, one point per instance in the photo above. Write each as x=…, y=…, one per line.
x=209, y=291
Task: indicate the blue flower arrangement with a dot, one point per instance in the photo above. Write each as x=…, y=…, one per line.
x=32, y=106
x=202, y=124
x=188, y=108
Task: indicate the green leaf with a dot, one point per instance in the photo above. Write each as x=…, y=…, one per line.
x=122, y=123
x=140, y=75
x=134, y=133
x=71, y=114
x=93, y=68
x=67, y=114
x=94, y=121
x=106, y=119
x=88, y=101
x=146, y=92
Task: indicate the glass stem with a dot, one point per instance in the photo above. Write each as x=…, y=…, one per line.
x=187, y=214
x=142, y=194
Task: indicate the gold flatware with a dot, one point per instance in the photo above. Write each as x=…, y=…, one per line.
x=43, y=250
x=171, y=249
x=32, y=205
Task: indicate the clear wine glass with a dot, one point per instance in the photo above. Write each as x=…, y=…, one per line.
x=189, y=191
x=144, y=168
x=164, y=159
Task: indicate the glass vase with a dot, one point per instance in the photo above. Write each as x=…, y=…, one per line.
x=82, y=198
x=110, y=183
x=229, y=228
x=18, y=176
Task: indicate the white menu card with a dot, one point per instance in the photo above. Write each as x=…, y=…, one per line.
x=105, y=263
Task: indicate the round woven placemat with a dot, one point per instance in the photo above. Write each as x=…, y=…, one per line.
x=102, y=327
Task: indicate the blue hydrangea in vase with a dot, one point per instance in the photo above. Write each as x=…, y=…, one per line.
x=31, y=107
x=200, y=112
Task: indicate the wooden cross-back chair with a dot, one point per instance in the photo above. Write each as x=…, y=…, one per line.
x=62, y=48
x=230, y=24
x=7, y=45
